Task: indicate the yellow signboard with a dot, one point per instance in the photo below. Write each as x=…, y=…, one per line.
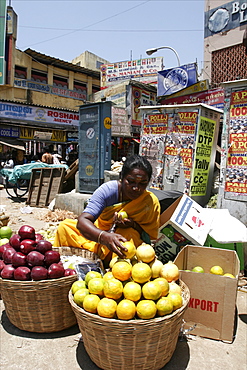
x=31, y=134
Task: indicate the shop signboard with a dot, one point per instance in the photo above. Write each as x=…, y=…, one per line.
x=175, y=79
x=142, y=70
x=225, y=17
x=139, y=97
x=38, y=114
x=29, y=133
x=236, y=166
x=212, y=97
x=120, y=124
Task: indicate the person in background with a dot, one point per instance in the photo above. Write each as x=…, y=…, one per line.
x=101, y=229
x=35, y=158
x=56, y=158
x=47, y=157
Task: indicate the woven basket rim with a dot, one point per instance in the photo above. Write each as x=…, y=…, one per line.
x=36, y=282
x=138, y=321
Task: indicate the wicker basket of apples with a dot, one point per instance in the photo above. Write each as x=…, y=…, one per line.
x=34, y=284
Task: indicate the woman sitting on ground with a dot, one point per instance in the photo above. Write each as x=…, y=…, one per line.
x=100, y=229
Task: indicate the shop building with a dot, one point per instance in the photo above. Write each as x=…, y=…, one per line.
x=39, y=97
x=225, y=41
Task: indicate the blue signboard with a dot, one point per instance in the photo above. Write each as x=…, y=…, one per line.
x=94, y=145
x=176, y=79
x=225, y=17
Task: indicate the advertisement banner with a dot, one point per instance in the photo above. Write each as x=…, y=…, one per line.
x=213, y=97
x=202, y=157
x=172, y=80
x=140, y=97
x=142, y=70
x=44, y=88
x=167, y=141
x=120, y=124
x=225, y=17
x=38, y=114
x=236, y=171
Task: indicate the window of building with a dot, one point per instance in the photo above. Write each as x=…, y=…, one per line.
x=98, y=64
x=39, y=76
x=60, y=82
x=81, y=88
x=95, y=89
x=20, y=72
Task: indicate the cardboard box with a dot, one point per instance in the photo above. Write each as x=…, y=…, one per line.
x=184, y=222
x=212, y=303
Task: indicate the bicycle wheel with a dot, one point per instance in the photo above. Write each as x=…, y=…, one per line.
x=17, y=190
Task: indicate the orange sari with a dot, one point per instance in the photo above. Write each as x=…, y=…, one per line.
x=144, y=210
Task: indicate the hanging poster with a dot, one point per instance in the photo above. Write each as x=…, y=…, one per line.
x=202, y=158
x=236, y=171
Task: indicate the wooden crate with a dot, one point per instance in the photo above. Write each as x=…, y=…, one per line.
x=45, y=183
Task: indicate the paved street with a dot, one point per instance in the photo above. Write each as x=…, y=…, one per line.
x=63, y=350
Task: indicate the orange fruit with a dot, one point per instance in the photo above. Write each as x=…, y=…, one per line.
x=170, y=271
x=131, y=249
x=141, y=272
x=96, y=286
x=174, y=288
x=151, y=290
x=126, y=309
x=80, y=295
x=145, y=253
x=229, y=275
x=164, y=306
x=108, y=275
x=132, y=291
x=107, y=307
x=216, y=270
x=92, y=274
x=146, y=309
x=122, y=270
x=156, y=267
x=113, y=288
x=198, y=269
x=78, y=284
x=164, y=286
x=91, y=302
x=176, y=299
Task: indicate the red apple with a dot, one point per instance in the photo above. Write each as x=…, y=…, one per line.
x=68, y=272
x=43, y=246
x=34, y=258
x=8, y=254
x=27, y=245
x=39, y=273
x=8, y=272
x=51, y=257
x=38, y=237
x=2, y=265
x=15, y=241
x=19, y=259
x=22, y=273
x=3, y=248
x=26, y=232
x=55, y=271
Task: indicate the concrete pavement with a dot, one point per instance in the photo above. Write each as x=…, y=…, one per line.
x=60, y=351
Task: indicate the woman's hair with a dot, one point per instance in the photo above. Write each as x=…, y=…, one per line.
x=136, y=161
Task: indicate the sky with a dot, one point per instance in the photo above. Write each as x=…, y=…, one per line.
x=113, y=30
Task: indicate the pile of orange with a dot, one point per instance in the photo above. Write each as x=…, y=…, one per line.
x=133, y=288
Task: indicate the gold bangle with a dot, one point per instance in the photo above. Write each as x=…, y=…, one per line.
x=100, y=235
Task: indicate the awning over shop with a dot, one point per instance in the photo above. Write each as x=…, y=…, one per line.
x=19, y=145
